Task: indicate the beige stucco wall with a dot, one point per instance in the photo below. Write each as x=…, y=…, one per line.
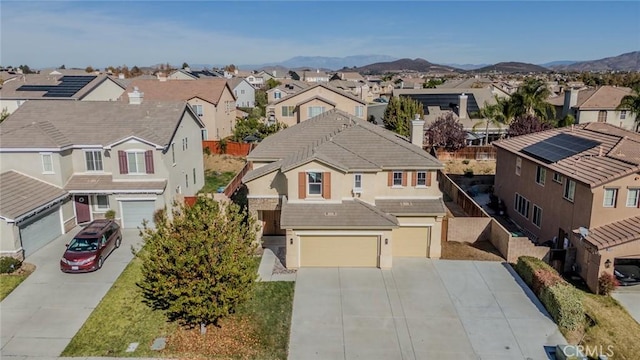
x=106, y=91
x=381, y=189
x=605, y=215
x=272, y=184
x=630, y=249
x=341, y=102
x=9, y=239
x=160, y=171
x=225, y=114
x=208, y=117
x=292, y=181
x=177, y=75
x=613, y=117
x=31, y=164
x=10, y=104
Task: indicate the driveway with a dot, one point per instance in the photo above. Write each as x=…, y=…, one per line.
x=629, y=297
x=421, y=309
x=40, y=317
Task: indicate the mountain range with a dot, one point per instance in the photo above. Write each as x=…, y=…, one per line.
x=625, y=62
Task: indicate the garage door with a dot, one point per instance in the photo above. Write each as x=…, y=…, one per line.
x=134, y=212
x=40, y=230
x=411, y=241
x=334, y=251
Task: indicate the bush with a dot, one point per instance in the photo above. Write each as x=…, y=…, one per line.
x=544, y=278
x=110, y=214
x=527, y=265
x=468, y=172
x=466, y=161
x=206, y=150
x=9, y=265
x=607, y=283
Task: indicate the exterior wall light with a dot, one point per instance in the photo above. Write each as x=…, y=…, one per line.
x=607, y=263
x=386, y=241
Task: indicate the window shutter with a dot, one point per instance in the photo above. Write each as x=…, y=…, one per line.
x=302, y=185
x=326, y=185
x=404, y=178
x=414, y=178
x=428, y=175
x=122, y=160
x=390, y=179
x=148, y=161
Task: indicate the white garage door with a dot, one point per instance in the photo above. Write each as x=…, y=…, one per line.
x=40, y=230
x=339, y=251
x=134, y=212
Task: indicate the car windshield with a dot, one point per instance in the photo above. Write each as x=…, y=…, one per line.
x=79, y=245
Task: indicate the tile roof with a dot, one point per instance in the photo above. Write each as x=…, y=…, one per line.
x=59, y=124
x=411, y=206
x=617, y=155
x=21, y=194
x=616, y=233
x=328, y=87
x=604, y=97
x=343, y=141
x=350, y=214
x=209, y=90
x=105, y=183
x=234, y=82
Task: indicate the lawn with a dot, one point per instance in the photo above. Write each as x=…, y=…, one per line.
x=214, y=180
x=258, y=330
x=8, y=282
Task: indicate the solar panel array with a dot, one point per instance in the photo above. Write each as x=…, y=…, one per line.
x=68, y=86
x=444, y=101
x=559, y=147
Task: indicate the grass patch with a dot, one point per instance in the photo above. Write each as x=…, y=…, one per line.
x=8, y=282
x=213, y=180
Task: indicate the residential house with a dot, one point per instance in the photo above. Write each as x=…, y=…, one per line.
x=255, y=80
x=287, y=87
x=359, y=89
x=340, y=191
x=188, y=74
x=577, y=187
x=315, y=77
x=243, y=91
x=64, y=163
x=211, y=99
x=347, y=76
x=313, y=101
x=16, y=90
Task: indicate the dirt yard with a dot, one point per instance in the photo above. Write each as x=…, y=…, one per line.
x=479, y=167
x=481, y=250
x=223, y=163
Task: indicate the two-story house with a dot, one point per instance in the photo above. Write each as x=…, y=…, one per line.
x=66, y=163
x=243, y=91
x=578, y=187
x=313, y=101
x=343, y=192
x=211, y=99
x=315, y=77
x=285, y=88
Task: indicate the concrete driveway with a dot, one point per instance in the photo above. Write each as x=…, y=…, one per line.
x=40, y=317
x=421, y=309
x=629, y=297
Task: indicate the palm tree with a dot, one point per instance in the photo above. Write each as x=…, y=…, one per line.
x=631, y=103
x=531, y=98
x=492, y=114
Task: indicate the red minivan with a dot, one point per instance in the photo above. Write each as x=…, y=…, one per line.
x=91, y=246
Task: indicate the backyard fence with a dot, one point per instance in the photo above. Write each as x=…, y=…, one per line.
x=228, y=147
x=468, y=153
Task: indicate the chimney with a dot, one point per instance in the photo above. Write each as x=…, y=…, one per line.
x=570, y=100
x=417, y=131
x=135, y=97
x=274, y=73
x=462, y=106
x=187, y=69
x=162, y=76
x=121, y=76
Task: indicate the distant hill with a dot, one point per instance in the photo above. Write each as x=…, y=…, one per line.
x=551, y=64
x=420, y=65
x=625, y=62
x=322, y=62
x=512, y=67
x=467, y=66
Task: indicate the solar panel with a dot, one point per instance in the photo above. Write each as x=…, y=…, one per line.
x=68, y=86
x=559, y=147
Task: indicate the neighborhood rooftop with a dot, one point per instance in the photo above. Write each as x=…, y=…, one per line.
x=20, y=194
x=351, y=214
x=207, y=89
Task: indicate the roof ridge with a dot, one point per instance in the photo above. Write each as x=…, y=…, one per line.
x=32, y=177
x=377, y=211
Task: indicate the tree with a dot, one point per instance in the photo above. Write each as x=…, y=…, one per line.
x=198, y=267
x=271, y=83
x=185, y=65
x=62, y=67
x=631, y=103
x=432, y=83
x=230, y=68
x=527, y=124
x=567, y=120
x=4, y=114
x=135, y=71
x=492, y=114
x=399, y=113
x=89, y=69
x=448, y=133
x=531, y=98
x=261, y=101
x=26, y=69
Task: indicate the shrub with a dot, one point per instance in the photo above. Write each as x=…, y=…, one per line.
x=564, y=303
x=110, y=214
x=206, y=150
x=9, y=264
x=544, y=278
x=527, y=265
x=468, y=172
x=465, y=161
x=607, y=283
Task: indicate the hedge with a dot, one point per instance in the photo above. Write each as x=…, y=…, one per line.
x=560, y=298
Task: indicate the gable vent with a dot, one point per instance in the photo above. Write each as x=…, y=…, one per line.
x=330, y=213
x=406, y=203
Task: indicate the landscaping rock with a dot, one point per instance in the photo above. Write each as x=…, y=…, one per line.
x=159, y=344
x=132, y=347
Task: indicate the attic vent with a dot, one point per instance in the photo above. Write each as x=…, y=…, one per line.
x=330, y=213
x=406, y=203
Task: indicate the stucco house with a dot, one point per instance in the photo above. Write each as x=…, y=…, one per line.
x=340, y=191
x=211, y=99
x=188, y=74
x=285, y=88
x=243, y=91
x=313, y=101
x=315, y=77
x=65, y=163
x=577, y=187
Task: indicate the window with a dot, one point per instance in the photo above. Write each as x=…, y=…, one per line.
x=521, y=205
x=314, y=181
x=537, y=216
x=569, y=190
x=194, y=176
x=632, y=197
x=242, y=92
x=397, y=178
x=135, y=160
x=623, y=114
x=287, y=110
x=277, y=95
x=185, y=144
x=421, y=178
x=186, y=181
x=315, y=110
x=557, y=177
x=197, y=109
x=359, y=111
x=173, y=153
x=93, y=160
x=541, y=175
x=205, y=134
x=357, y=181
x=610, y=196
x=602, y=116
x=47, y=163
x=101, y=202
x=518, y=166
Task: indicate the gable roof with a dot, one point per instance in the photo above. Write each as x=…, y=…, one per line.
x=54, y=124
x=342, y=141
x=616, y=233
x=349, y=214
x=602, y=98
x=21, y=194
x=234, y=82
x=209, y=90
x=328, y=87
x=44, y=83
x=617, y=155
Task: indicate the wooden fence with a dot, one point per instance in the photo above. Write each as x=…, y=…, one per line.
x=231, y=148
x=459, y=196
x=234, y=184
x=469, y=153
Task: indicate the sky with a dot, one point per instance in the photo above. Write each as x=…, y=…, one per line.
x=100, y=33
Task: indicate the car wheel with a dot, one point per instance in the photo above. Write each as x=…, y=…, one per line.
x=118, y=241
x=100, y=263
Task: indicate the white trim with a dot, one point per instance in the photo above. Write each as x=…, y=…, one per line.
x=45, y=171
x=133, y=137
x=337, y=232
x=91, y=192
x=61, y=220
x=407, y=197
x=415, y=225
x=50, y=204
x=137, y=199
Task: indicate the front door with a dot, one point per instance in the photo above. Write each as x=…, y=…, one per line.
x=271, y=223
x=83, y=213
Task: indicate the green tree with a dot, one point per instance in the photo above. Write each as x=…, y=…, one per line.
x=4, y=114
x=631, y=103
x=492, y=114
x=261, y=101
x=62, y=67
x=432, y=83
x=230, y=68
x=531, y=98
x=399, y=113
x=26, y=69
x=567, y=120
x=271, y=83
x=185, y=65
x=89, y=69
x=198, y=267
